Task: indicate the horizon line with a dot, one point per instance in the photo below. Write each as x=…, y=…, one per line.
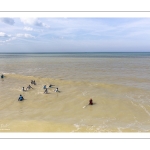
x=76, y=52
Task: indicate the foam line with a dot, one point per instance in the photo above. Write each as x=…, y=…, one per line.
x=145, y=109
x=84, y=93
x=133, y=103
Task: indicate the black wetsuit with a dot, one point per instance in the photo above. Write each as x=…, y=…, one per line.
x=20, y=98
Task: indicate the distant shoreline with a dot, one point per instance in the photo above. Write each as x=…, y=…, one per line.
x=62, y=52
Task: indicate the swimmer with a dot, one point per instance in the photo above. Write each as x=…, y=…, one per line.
x=29, y=87
x=46, y=91
x=56, y=90
x=90, y=102
x=2, y=76
x=44, y=87
x=23, y=89
x=20, y=98
x=34, y=82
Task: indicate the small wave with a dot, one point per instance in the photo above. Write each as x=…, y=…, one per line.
x=39, y=92
x=84, y=93
x=142, y=98
x=77, y=127
x=7, y=73
x=16, y=89
x=144, y=109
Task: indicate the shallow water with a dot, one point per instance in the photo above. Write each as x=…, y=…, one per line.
x=118, y=83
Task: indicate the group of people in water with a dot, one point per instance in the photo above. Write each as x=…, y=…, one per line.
x=33, y=82
x=30, y=87
x=23, y=89
x=44, y=87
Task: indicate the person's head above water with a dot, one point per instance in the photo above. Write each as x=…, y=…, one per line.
x=91, y=102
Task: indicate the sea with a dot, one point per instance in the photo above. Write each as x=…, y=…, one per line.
x=117, y=82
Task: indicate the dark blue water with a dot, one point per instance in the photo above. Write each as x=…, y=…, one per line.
x=80, y=54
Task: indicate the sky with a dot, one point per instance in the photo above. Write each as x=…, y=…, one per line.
x=74, y=34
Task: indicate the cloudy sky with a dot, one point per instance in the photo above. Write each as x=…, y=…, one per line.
x=74, y=34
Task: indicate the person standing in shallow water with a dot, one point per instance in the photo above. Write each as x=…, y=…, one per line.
x=20, y=98
x=23, y=89
x=34, y=82
x=46, y=91
x=31, y=81
x=2, y=76
x=90, y=102
x=56, y=90
x=29, y=87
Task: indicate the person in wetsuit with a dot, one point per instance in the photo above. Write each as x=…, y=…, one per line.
x=90, y=102
x=56, y=90
x=2, y=76
x=20, y=98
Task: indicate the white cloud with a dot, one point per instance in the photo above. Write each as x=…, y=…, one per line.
x=34, y=21
x=30, y=21
x=13, y=38
x=28, y=28
x=2, y=34
x=7, y=37
x=10, y=39
x=25, y=35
